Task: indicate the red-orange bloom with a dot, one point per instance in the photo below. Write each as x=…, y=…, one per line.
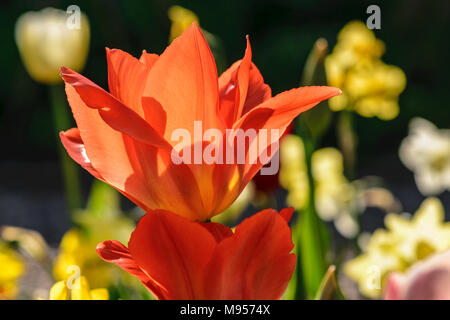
x=176, y=258
x=124, y=136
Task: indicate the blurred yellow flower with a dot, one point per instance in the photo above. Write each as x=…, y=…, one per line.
x=49, y=39
x=293, y=176
x=80, y=290
x=101, y=220
x=403, y=243
x=426, y=151
x=76, y=250
x=335, y=197
x=370, y=87
x=11, y=268
x=181, y=19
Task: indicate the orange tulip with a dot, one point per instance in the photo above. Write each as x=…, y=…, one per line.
x=176, y=258
x=124, y=136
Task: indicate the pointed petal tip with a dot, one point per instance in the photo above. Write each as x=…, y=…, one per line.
x=101, y=246
x=66, y=74
x=63, y=70
x=286, y=213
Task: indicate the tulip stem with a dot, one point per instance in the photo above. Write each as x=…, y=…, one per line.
x=310, y=232
x=348, y=141
x=62, y=121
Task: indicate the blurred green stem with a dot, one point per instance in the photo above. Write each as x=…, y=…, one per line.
x=61, y=118
x=347, y=141
x=311, y=233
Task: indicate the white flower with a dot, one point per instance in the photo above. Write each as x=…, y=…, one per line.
x=426, y=151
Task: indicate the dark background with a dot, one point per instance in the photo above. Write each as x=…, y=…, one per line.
x=282, y=32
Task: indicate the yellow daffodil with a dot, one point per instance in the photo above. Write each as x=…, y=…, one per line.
x=11, y=269
x=101, y=220
x=426, y=151
x=51, y=38
x=80, y=290
x=369, y=86
x=403, y=243
x=181, y=19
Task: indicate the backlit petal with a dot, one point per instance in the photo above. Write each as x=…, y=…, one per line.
x=112, y=111
x=184, y=81
x=173, y=251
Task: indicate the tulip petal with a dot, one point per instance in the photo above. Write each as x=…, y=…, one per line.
x=173, y=251
x=76, y=149
x=219, y=231
x=255, y=263
x=112, y=111
x=148, y=59
x=115, y=252
x=241, y=88
x=138, y=169
x=286, y=213
x=71, y=140
x=393, y=286
x=154, y=114
x=103, y=149
x=126, y=78
x=277, y=113
x=184, y=81
x=286, y=106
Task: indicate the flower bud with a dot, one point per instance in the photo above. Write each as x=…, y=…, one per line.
x=51, y=38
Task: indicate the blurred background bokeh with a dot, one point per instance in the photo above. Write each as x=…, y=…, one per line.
x=282, y=33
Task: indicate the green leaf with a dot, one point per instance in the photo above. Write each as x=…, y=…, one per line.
x=329, y=289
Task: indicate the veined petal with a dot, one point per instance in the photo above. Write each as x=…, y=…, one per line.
x=184, y=81
x=112, y=111
x=173, y=251
x=74, y=145
x=277, y=113
x=102, y=150
x=255, y=263
x=126, y=78
x=286, y=106
x=142, y=172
